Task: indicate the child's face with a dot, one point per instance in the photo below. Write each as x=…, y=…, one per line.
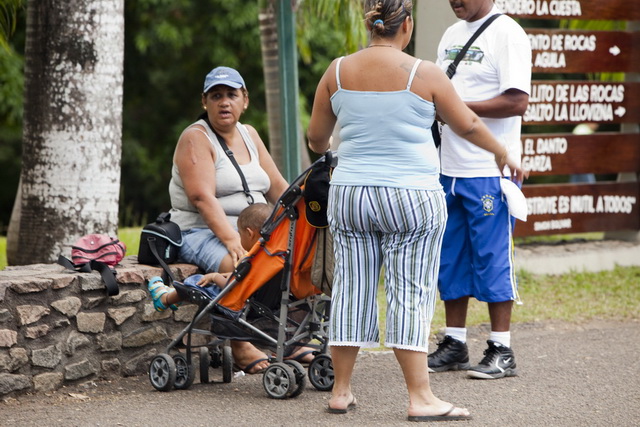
x=248, y=238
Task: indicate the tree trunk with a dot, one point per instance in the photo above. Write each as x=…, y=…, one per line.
x=72, y=134
x=269, y=45
x=270, y=64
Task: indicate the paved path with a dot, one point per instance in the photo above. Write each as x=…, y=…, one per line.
x=570, y=375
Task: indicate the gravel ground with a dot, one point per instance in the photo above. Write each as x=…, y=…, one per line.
x=570, y=375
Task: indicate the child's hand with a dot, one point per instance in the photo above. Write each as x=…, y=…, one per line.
x=218, y=279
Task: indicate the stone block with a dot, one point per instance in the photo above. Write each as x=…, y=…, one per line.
x=13, y=359
x=139, y=364
x=8, y=338
x=31, y=285
x=149, y=313
x=48, y=357
x=82, y=369
x=91, y=282
x=93, y=302
x=28, y=314
x=76, y=340
x=11, y=382
x=5, y=316
x=61, y=281
x=69, y=306
x=110, y=368
x=120, y=315
x=91, y=322
x=129, y=297
x=186, y=313
x=110, y=342
x=34, y=332
x=129, y=275
x=143, y=336
x=48, y=381
x=61, y=323
x=4, y=285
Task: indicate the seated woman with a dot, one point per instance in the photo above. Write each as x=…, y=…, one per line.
x=207, y=191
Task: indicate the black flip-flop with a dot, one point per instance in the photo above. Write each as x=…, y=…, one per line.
x=350, y=407
x=299, y=358
x=443, y=417
x=247, y=368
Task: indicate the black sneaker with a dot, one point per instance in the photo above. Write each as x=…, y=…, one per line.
x=498, y=362
x=451, y=355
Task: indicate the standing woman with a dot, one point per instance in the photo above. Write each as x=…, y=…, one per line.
x=386, y=205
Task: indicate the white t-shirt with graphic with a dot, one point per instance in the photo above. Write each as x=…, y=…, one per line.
x=498, y=60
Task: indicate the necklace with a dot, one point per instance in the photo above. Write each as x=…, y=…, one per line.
x=379, y=45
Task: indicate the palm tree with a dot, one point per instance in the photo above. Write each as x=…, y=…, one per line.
x=70, y=179
x=347, y=18
x=8, y=12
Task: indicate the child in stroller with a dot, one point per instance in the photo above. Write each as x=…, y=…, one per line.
x=268, y=300
x=249, y=223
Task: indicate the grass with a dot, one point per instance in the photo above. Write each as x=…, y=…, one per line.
x=574, y=297
x=131, y=238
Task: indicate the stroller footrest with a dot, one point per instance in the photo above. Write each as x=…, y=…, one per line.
x=189, y=294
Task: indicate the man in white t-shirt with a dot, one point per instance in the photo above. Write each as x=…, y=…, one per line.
x=494, y=79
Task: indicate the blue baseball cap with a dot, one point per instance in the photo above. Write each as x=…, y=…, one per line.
x=223, y=76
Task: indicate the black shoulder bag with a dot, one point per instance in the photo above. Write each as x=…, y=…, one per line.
x=229, y=153
x=451, y=70
x=160, y=243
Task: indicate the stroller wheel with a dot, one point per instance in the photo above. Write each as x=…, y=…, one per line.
x=301, y=377
x=279, y=380
x=185, y=374
x=321, y=372
x=205, y=362
x=227, y=364
x=162, y=372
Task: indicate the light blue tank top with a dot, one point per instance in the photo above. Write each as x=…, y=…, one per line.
x=385, y=138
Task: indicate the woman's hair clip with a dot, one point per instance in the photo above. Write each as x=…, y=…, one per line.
x=378, y=21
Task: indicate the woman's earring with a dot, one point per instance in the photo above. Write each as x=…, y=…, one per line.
x=204, y=107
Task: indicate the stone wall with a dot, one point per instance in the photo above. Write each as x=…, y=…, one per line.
x=59, y=326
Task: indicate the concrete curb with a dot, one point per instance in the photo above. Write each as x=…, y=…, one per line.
x=583, y=256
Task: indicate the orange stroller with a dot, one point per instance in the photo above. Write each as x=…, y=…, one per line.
x=269, y=300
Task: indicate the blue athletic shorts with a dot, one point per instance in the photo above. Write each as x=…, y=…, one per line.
x=477, y=249
x=202, y=248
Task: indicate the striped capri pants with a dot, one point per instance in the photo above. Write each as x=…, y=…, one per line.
x=395, y=229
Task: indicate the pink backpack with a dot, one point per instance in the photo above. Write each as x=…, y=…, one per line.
x=97, y=247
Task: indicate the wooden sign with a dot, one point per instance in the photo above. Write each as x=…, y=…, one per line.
x=627, y=10
x=553, y=102
x=564, y=154
x=569, y=208
x=560, y=51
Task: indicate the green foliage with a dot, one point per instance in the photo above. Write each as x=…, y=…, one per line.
x=169, y=48
x=9, y=10
x=170, y=45
x=11, y=96
x=341, y=19
x=130, y=236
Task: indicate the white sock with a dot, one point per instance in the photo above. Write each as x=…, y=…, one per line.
x=503, y=338
x=459, y=334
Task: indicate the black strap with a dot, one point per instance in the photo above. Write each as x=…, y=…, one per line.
x=454, y=65
x=169, y=275
x=229, y=154
x=108, y=275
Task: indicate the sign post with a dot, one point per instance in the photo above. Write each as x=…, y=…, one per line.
x=576, y=208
